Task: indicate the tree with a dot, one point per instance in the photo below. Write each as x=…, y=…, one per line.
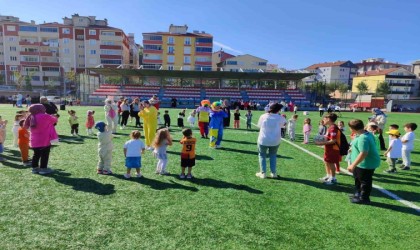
x=28, y=81
x=383, y=89
x=19, y=78
x=363, y=88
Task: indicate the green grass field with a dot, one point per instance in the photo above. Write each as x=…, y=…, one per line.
x=224, y=207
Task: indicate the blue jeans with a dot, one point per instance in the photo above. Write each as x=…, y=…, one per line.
x=262, y=155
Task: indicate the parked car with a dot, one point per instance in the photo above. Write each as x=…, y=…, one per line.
x=54, y=99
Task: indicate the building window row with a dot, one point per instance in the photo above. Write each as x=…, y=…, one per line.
x=108, y=61
x=92, y=32
x=51, y=69
x=110, y=52
x=108, y=42
x=203, y=40
x=108, y=33
x=203, y=59
x=152, y=47
x=31, y=69
x=49, y=29
x=152, y=37
x=153, y=57
x=203, y=49
x=28, y=28
x=30, y=59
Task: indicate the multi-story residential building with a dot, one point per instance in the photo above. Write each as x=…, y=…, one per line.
x=134, y=51
x=378, y=64
x=332, y=72
x=177, y=49
x=219, y=56
x=416, y=68
x=403, y=84
x=45, y=52
x=243, y=63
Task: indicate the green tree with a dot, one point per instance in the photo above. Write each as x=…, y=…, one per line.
x=362, y=88
x=28, y=81
x=19, y=78
x=383, y=89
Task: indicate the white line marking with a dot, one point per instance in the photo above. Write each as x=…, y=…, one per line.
x=381, y=189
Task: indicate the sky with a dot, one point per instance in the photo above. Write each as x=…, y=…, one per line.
x=293, y=34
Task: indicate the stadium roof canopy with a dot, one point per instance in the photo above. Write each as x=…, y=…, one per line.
x=200, y=74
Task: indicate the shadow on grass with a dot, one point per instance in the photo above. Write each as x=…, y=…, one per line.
x=347, y=188
x=222, y=184
x=197, y=157
x=82, y=184
x=240, y=151
x=155, y=184
x=71, y=139
x=240, y=142
x=12, y=159
x=396, y=179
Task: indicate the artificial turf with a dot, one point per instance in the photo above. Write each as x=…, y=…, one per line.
x=224, y=207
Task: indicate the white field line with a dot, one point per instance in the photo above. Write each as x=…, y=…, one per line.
x=381, y=189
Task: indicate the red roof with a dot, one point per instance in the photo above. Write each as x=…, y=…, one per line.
x=326, y=64
x=377, y=72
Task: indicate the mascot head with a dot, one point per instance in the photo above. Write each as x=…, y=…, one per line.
x=216, y=105
x=100, y=126
x=205, y=103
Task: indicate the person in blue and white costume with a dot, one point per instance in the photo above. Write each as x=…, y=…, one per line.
x=216, y=124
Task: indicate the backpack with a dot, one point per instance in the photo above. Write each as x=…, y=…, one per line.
x=344, y=144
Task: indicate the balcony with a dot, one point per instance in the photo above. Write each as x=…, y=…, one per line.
x=203, y=63
x=152, y=51
x=116, y=47
x=29, y=53
x=28, y=43
x=152, y=41
x=152, y=61
x=400, y=84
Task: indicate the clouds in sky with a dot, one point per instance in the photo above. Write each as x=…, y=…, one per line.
x=227, y=47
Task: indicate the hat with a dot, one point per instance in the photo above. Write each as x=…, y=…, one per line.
x=394, y=132
x=100, y=126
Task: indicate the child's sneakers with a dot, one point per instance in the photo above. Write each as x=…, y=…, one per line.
x=182, y=176
x=274, y=176
x=99, y=171
x=324, y=179
x=44, y=171
x=106, y=172
x=218, y=146
x=391, y=171
x=27, y=163
x=261, y=175
x=164, y=173
x=35, y=170
x=139, y=175
x=189, y=176
x=127, y=176
x=405, y=168
x=331, y=181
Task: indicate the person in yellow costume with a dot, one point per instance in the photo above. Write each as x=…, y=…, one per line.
x=149, y=114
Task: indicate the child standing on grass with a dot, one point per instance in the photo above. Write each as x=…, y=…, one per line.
x=74, y=123
x=15, y=129
x=307, y=127
x=341, y=126
x=181, y=116
x=283, y=127
x=322, y=129
x=408, y=145
x=90, y=122
x=291, y=127
x=133, y=149
x=394, y=151
x=188, y=153
x=373, y=128
x=23, y=142
x=3, y=124
x=105, y=148
x=191, y=118
x=248, y=116
x=159, y=121
x=364, y=160
x=167, y=119
x=160, y=143
x=236, y=119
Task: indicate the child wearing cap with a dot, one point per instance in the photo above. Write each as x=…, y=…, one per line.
x=394, y=151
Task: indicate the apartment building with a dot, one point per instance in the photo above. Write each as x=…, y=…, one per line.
x=332, y=72
x=45, y=52
x=371, y=64
x=403, y=83
x=243, y=63
x=177, y=49
x=416, y=68
x=217, y=57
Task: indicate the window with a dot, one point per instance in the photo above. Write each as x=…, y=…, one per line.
x=12, y=48
x=66, y=40
x=171, y=50
x=203, y=49
x=231, y=62
x=12, y=39
x=66, y=51
x=108, y=33
x=203, y=40
x=187, y=41
x=262, y=64
x=170, y=67
x=31, y=69
x=81, y=46
x=28, y=28
x=187, y=50
x=13, y=68
x=92, y=32
x=80, y=37
x=152, y=37
x=51, y=69
x=153, y=56
x=11, y=28
x=108, y=61
x=36, y=78
x=108, y=42
x=187, y=59
x=81, y=56
x=170, y=40
x=153, y=47
x=92, y=42
x=93, y=52
x=66, y=31
x=49, y=29
x=110, y=52
x=186, y=67
x=203, y=59
x=171, y=59
x=29, y=59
